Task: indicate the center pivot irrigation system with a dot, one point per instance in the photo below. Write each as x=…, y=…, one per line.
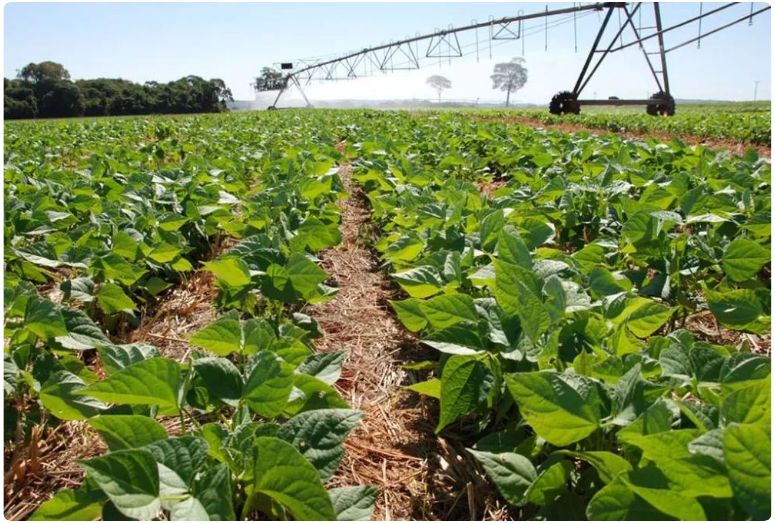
x=444, y=45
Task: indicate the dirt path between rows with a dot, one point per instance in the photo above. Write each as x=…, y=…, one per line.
x=420, y=476
x=736, y=147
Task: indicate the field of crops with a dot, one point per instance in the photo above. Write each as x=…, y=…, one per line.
x=594, y=314
x=746, y=123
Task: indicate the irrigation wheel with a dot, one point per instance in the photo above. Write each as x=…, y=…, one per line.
x=663, y=105
x=564, y=102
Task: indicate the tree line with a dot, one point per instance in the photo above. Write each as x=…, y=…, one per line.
x=45, y=90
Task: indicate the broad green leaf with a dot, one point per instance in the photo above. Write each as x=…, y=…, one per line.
x=648, y=319
x=354, y=503
x=744, y=258
x=148, y=382
x=651, y=486
x=749, y=405
x=179, y=460
x=747, y=453
x=304, y=274
x=406, y=248
x=512, y=473
x=739, y=309
x=221, y=377
x=552, y=407
x=616, y=502
x=127, y=431
x=117, y=357
x=116, y=268
x=268, y=387
x=130, y=478
x=607, y=464
x=310, y=393
x=84, y=504
x=60, y=397
x=325, y=366
x=465, y=384
x=82, y=333
x=283, y=474
x=214, y=492
x=319, y=435
x=420, y=282
x=410, y=314
x=549, y=484
x=113, y=300
x=515, y=294
x=692, y=474
x=222, y=337
x=602, y=283
x=449, y=309
x=431, y=387
x=45, y=319
x=513, y=251
x=231, y=270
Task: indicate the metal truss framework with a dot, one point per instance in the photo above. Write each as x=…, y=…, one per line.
x=440, y=45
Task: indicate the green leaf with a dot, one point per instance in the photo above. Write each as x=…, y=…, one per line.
x=60, y=397
x=310, y=393
x=164, y=253
x=179, y=460
x=112, y=299
x=354, y=503
x=45, y=319
x=749, y=405
x=221, y=377
x=616, y=502
x=116, y=268
x=465, y=384
x=82, y=333
x=747, y=453
x=431, y=387
x=232, y=271
x=222, y=337
x=148, y=382
x=304, y=274
x=512, y=473
x=553, y=408
x=283, y=474
x=117, y=357
x=648, y=319
x=84, y=504
x=325, y=366
x=406, y=248
x=268, y=387
x=449, y=309
x=739, y=309
x=649, y=484
x=319, y=435
x=692, y=474
x=744, y=258
x=127, y=431
x=515, y=293
x=420, y=282
x=214, y=493
x=602, y=283
x=410, y=313
x=513, y=251
x=550, y=484
x=607, y=464
x=130, y=478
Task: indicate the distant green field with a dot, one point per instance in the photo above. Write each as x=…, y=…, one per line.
x=748, y=122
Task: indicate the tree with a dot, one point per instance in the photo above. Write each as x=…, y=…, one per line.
x=270, y=80
x=44, y=72
x=439, y=83
x=509, y=76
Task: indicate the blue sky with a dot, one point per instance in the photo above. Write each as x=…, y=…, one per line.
x=232, y=41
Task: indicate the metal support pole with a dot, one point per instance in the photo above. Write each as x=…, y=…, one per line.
x=699, y=29
x=546, y=29
x=592, y=50
x=303, y=94
x=660, y=38
x=645, y=54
